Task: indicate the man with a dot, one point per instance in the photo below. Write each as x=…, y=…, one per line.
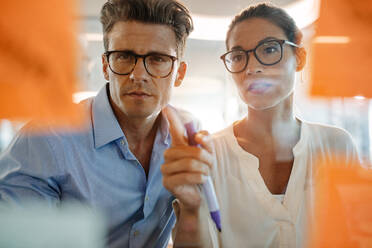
x=114, y=165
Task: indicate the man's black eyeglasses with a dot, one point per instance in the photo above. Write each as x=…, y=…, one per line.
x=156, y=64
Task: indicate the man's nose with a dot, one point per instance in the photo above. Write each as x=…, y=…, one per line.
x=139, y=71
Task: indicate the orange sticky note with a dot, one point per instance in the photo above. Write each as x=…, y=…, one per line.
x=343, y=207
x=38, y=62
x=342, y=60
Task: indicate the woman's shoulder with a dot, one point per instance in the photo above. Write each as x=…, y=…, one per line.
x=223, y=132
x=327, y=132
x=225, y=144
x=332, y=142
x=331, y=139
x=224, y=136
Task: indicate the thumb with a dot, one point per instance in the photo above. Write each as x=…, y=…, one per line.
x=176, y=128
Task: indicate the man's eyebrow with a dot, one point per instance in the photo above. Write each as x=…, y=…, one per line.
x=133, y=52
x=122, y=50
x=263, y=40
x=159, y=52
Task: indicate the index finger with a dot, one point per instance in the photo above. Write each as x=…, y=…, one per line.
x=176, y=128
x=205, y=140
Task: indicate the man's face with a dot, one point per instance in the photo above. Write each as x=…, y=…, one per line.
x=139, y=95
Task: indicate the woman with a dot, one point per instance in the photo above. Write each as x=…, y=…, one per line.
x=265, y=161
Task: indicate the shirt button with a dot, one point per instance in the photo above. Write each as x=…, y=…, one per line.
x=146, y=198
x=136, y=233
x=122, y=142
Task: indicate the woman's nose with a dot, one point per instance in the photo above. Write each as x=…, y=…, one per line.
x=253, y=65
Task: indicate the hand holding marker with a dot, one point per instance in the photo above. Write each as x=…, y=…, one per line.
x=207, y=187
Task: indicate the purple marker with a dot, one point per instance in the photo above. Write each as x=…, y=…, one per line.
x=207, y=187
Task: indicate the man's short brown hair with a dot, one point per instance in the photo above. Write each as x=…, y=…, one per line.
x=168, y=12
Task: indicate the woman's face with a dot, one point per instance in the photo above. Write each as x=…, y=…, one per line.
x=261, y=86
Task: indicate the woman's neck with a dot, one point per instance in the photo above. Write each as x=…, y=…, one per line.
x=275, y=129
x=268, y=119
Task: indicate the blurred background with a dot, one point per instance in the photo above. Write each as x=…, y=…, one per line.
x=208, y=91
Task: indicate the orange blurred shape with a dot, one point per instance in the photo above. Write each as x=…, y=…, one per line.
x=342, y=54
x=38, y=61
x=343, y=207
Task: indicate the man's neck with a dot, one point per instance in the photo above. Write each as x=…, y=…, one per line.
x=138, y=130
x=140, y=133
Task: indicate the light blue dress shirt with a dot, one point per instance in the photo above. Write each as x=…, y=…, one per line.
x=97, y=168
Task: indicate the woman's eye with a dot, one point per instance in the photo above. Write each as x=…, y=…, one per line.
x=271, y=49
x=237, y=58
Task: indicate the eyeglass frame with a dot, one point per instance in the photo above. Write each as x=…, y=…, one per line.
x=281, y=42
x=136, y=56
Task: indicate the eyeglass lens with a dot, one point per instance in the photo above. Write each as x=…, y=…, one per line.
x=267, y=53
x=156, y=64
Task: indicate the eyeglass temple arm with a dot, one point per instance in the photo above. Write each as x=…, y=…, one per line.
x=291, y=44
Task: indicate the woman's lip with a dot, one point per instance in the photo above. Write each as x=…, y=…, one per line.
x=259, y=87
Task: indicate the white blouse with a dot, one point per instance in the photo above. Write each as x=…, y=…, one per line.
x=250, y=215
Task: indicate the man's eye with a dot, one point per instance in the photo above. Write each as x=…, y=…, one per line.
x=157, y=59
x=123, y=56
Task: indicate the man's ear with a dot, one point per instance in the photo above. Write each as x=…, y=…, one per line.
x=105, y=67
x=300, y=58
x=180, y=73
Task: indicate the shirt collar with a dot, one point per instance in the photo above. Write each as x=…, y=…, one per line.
x=106, y=127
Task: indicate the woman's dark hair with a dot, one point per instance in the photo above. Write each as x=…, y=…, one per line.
x=167, y=12
x=271, y=13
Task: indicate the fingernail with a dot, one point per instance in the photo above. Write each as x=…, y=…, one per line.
x=201, y=136
x=204, y=178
